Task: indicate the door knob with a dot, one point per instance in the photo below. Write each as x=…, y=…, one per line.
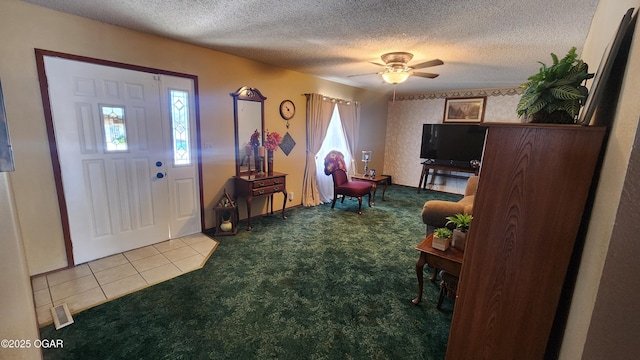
x=159, y=175
x=158, y=163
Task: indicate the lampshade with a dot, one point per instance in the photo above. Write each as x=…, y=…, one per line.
x=395, y=77
x=366, y=155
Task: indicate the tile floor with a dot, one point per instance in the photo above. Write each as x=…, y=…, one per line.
x=99, y=281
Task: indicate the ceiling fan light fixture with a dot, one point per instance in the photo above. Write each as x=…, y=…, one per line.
x=395, y=77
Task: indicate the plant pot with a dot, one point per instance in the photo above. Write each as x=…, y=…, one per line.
x=441, y=244
x=556, y=117
x=226, y=225
x=459, y=239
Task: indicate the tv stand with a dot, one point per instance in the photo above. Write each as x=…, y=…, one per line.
x=427, y=166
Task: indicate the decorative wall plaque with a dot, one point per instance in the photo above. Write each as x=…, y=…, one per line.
x=287, y=143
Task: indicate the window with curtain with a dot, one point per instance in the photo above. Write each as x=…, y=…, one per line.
x=335, y=140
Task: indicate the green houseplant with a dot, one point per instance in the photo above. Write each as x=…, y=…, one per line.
x=556, y=93
x=441, y=238
x=462, y=222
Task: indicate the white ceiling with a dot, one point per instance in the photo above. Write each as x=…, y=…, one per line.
x=483, y=43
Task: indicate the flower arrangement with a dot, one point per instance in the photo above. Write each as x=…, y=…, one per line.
x=334, y=160
x=254, y=141
x=272, y=141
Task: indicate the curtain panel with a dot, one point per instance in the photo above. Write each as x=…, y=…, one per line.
x=350, y=116
x=319, y=111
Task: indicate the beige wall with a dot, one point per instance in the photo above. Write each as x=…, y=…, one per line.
x=16, y=302
x=218, y=75
x=603, y=27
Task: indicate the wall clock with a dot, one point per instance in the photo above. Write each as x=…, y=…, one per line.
x=287, y=110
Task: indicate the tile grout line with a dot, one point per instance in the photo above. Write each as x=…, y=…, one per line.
x=100, y=286
x=107, y=299
x=46, y=279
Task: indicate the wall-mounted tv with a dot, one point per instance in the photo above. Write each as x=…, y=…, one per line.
x=455, y=145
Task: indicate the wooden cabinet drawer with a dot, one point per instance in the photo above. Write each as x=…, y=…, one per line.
x=267, y=190
x=267, y=182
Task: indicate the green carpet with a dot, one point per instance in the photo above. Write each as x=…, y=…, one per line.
x=322, y=284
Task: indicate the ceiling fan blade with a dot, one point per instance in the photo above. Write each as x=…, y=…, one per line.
x=375, y=73
x=434, y=62
x=375, y=63
x=425, y=75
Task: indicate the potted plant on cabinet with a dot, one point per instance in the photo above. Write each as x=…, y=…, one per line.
x=462, y=222
x=556, y=93
x=441, y=238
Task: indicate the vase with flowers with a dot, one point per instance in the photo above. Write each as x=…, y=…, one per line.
x=271, y=144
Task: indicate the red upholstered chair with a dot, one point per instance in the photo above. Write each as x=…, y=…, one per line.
x=334, y=165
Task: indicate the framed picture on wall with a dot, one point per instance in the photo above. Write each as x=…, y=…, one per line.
x=464, y=110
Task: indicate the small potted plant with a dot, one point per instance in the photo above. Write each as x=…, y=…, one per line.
x=556, y=93
x=461, y=223
x=441, y=238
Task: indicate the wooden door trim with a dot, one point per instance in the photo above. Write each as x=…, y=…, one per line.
x=53, y=149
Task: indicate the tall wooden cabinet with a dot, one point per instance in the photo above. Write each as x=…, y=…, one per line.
x=533, y=187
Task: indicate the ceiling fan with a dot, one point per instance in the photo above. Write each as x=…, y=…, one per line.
x=396, y=69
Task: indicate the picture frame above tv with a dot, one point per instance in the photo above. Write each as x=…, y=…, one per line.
x=464, y=110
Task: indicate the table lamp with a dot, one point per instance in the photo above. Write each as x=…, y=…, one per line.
x=366, y=157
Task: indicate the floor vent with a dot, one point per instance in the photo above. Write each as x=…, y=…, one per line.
x=61, y=316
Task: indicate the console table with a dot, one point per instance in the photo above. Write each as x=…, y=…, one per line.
x=252, y=185
x=427, y=166
x=449, y=261
x=378, y=179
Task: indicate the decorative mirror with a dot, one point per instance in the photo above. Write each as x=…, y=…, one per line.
x=248, y=112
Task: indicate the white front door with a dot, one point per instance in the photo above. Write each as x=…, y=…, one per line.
x=114, y=147
x=179, y=113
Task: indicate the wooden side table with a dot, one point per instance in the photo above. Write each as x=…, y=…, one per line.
x=378, y=179
x=250, y=186
x=449, y=261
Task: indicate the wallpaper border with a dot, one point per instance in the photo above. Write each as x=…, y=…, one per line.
x=461, y=93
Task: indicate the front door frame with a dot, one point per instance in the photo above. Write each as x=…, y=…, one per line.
x=55, y=161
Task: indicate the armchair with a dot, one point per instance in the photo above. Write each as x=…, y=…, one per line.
x=434, y=212
x=334, y=165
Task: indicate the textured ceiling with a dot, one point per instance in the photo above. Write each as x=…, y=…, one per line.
x=483, y=43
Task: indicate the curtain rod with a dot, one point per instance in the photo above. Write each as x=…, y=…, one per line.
x=348, y=102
